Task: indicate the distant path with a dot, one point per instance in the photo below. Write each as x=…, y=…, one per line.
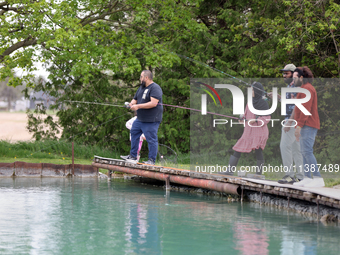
x=13, y=127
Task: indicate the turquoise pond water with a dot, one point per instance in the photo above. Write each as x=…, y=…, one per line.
x=90, y=216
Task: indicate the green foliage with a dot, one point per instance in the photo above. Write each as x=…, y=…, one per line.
x=132, y=37
x=327, y=142
x=95, y=51
x=42, y=128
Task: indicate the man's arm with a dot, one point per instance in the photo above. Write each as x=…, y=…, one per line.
x=133, y=102
x=289, y=122
x=153, y=103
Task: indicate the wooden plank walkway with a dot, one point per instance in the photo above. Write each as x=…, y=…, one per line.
x=326, y=196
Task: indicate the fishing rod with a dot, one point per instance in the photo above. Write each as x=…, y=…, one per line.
x=213, y=113
x=196, y=110
x=217, y=70
x=82, y=102
x=126, y=105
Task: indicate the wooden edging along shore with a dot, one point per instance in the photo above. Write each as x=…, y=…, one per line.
x=24, y=169
x=223, y=183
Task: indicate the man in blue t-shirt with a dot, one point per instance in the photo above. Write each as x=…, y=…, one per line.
x=148, y=104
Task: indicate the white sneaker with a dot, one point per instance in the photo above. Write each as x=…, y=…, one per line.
x=304, y=182
x=129, y=158
x=316, y=183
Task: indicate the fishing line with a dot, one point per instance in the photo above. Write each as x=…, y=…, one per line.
x=166, y=157
x=168, y=148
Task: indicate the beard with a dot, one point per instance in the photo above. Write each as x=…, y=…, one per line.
x=143, y=84
x=298, y=83
x=288, y=80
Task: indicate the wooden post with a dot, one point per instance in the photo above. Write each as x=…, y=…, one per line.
x=109, y=175
x=242, y=188
x=167, y=183
x=72, y=158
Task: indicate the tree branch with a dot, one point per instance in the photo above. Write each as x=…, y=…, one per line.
x=337, y=50
x=18, y=29
x=110, y=7
x=110, y=11
x=6, y=9
x=18, y=45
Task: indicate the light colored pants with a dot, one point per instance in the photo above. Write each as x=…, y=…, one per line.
x=290, y=151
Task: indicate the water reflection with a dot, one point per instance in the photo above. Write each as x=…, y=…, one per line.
x=142, y=229
x=290, y=244
x=250, y=239
x=87, y=216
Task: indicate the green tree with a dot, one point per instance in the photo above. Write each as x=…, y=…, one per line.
x=79, y=40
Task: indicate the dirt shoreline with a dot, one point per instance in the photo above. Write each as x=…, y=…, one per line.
x=13, y=127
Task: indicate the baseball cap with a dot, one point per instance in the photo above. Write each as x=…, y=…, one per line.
x=289, y=67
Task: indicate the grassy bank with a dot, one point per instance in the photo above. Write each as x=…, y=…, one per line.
x=51, y=150
x=55, y=152
x=60, y=152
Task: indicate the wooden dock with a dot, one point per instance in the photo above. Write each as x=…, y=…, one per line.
x=222, y=183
